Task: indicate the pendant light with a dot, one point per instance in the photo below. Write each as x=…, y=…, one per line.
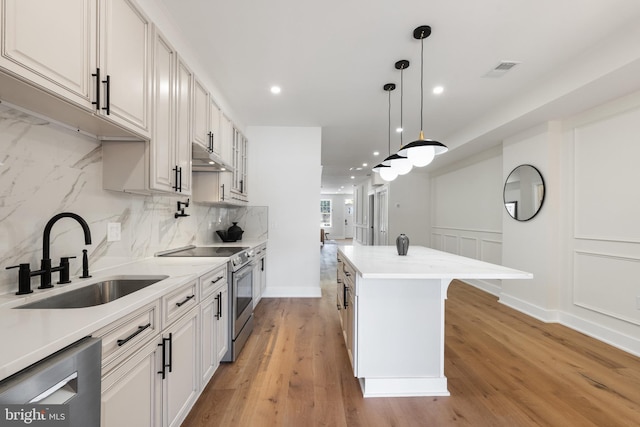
x=399, y=162
x=386, y=172
x=422, y=151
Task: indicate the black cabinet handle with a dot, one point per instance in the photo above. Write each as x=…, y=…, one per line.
x=241, y=186
x=186, y=300
x=164, y=356
x=133, y=335
x=97, y=101
x=346, y=273
x=107, y=95
x=170, y=351
x=178, y=178
x=220, y=303
x=218, y=306
x=344, y=295
x=222, y=198
x=217, y=279
x=262, y=264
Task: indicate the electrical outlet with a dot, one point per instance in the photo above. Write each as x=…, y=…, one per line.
x=113, y=232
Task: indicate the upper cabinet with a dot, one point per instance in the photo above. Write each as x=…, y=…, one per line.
x=94, y=54
x=206, y=120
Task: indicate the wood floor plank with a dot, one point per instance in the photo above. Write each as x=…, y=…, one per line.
x=504, y=369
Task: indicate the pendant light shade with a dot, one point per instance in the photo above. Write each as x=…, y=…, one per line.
x=422, y=151
x=388, y=174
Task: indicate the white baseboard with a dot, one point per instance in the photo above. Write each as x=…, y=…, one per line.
x=601, y=333
x=292, y=292
x=484, y=286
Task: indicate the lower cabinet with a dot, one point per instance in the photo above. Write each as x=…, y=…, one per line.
x=214, y=331
x=158, y=384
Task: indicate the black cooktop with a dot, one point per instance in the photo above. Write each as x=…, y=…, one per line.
x=207, y=251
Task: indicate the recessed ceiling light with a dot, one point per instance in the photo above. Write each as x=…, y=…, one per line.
x=353, y=177
x=376, y=153
x=275, y=90
x=364, y=165
x=438, y=90
x=398, y=130
x=212, y=162
x=358, y=169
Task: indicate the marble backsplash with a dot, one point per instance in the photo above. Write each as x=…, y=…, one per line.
x=46, y=169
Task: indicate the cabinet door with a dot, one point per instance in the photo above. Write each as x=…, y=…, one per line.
x=162, y=161
x=181, y=385
x=52, y=44
x=131, y=394
x=201, y=114
x=208, y=330
x=214, y=124
x=226, y=131
x=184, y=86
x=222, y=324
x=125, y=36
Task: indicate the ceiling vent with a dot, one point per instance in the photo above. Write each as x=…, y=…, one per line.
x=501, y=69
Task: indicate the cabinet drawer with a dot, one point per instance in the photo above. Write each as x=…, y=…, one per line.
x=178, y=302
x=124, y=336
x=212, y=281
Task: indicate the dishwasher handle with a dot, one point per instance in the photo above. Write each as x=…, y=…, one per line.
x=60, y=392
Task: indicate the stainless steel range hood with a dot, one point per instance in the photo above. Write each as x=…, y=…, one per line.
x=204, y=161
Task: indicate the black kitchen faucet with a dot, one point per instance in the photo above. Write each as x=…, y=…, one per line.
x=25, y=273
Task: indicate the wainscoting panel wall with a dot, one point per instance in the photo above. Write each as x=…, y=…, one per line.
x=597, y=276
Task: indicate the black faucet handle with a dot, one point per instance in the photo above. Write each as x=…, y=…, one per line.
x=64, y=270
x=24, y=278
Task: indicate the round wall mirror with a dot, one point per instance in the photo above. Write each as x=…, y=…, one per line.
x=523, y=192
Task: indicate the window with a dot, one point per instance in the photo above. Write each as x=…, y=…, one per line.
x=325, y=213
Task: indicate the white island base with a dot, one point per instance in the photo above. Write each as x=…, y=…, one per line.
x=393, y=321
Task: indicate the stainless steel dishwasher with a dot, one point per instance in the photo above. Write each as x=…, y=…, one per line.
x=60, y=390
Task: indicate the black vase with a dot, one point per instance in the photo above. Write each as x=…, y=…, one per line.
x=402, y=244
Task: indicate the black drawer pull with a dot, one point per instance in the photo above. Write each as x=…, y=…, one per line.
x=133, y=335
x=186, y=300
x=217, y=279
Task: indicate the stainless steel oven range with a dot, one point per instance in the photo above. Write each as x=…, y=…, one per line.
x=240, y=274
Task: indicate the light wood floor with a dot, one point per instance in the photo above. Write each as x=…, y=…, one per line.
x=504, y=369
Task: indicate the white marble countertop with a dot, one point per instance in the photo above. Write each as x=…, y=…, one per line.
x=383, y=262
x=29, y=335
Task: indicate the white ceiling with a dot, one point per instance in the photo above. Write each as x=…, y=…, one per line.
x=332, y=58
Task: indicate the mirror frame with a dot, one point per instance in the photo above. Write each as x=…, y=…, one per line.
x=507, y=204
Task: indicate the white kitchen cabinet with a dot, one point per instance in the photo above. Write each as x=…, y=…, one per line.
x=94, y=54
x=132, y=393
x=227, y=134
x=183, y=122
x=259, y=273
x=162, y=164
x=347, y=306
x=239, y=189
x=214, y=322
x=206, y=120
x=212, y=187
x=181, y=384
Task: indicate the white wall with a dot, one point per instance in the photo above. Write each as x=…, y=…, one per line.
x=535, y=245
x=289, y=185
x=409, y=208
x=466, y=210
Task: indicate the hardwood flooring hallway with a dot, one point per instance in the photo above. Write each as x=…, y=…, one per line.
x=504, y=369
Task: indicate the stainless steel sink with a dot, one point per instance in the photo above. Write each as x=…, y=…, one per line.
x=96, y=293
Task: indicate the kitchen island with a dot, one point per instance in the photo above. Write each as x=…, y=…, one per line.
x=392, y=313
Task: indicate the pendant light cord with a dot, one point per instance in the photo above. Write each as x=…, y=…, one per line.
x=421, y=82
x=401, y=102
x=389, y=137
